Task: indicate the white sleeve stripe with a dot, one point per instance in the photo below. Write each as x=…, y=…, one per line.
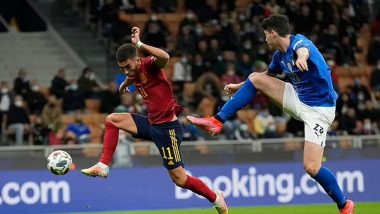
x=294, y=46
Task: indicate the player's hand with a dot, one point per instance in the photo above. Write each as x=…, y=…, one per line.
x=135, y=37
x=123, y=89
x=230, y=89
x=301, y=64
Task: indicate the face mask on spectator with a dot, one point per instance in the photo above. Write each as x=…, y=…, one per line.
x=91, y=76
x=35, y=88
x=74, y=87
x=18, y=103
x=184, y=59
x=4, y=90
x=367, y=125
x=153, y=18
x=189, y=16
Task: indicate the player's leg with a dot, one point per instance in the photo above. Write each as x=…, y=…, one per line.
x=313, y=154
x=317, y=122
x=115, y=121
x=270, y=86
x=181, y=179
x=168, y=138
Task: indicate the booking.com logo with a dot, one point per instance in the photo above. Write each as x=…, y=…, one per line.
x=30, y=192
x=282, y=186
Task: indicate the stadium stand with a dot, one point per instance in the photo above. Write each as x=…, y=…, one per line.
x=220, y=36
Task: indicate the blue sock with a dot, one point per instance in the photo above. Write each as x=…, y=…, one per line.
x=240, y=99
x=328, y=181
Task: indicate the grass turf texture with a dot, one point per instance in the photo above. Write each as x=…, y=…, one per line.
x=361, y=208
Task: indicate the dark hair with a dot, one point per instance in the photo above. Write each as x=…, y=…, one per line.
x=125, y=52
x=278, y=23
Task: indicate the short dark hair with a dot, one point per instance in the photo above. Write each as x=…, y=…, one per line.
x=125, y=52
x=278, y=23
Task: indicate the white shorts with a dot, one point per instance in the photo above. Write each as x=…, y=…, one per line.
x=317, y=120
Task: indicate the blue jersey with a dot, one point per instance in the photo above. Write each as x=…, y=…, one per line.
x=314, y=87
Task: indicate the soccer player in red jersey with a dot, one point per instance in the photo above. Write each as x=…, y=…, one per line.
x=160, y=126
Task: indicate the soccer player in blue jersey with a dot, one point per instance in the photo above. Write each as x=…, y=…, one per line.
x=310, y=98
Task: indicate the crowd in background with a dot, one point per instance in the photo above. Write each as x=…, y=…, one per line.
x=216, y=45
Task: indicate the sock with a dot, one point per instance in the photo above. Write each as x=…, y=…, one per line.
x=102, y=165
x=328, y=181
x=240, y=99
x=110, y=140
x=197, y=186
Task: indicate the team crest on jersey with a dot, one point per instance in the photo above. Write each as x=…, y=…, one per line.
x=143, y=78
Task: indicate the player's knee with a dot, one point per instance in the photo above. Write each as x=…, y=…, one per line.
x=256, y=78
x=311, y=169
x=115, y=117
x=179, y=180
x=109, y=118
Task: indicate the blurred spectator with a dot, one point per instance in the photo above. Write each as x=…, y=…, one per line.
x=360, y=94
x=374, y=51
x=264, y=124
x=52, y=114
x=207, y=95
x=221, y=65
x=375, y=25
x=347, y=122
x=110, y=98
x=36, y=100
x=155, y=33
x=256, y=8
x=130, y=6
x=205, y=11
x=88, y=83
x=280, y=129
x=197, y=67
x=344, y=102
x=73, y=99
x=304, y=20
x=181, y=75
x=237, y=130
x=39, y=132
x=230, y=75
x=17, y=121
x=58, y=84
x=186, y=40
x=189, y=21
x=127, y=104
x=77, y=132
x=214, y=50
x=375, y=77
x=369, y=111
x=121, y=31
x=164, y=6
x=6, y=99
x=245, y=65
x=21, y=84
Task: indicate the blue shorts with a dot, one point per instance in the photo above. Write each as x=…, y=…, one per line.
x=166, y=136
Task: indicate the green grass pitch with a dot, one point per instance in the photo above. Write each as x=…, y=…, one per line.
x=361, y=208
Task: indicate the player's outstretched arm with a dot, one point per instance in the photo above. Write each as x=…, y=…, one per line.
x=162, y=57
x=123, y=88
x=302, y=56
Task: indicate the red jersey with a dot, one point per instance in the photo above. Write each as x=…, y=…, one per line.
x=156, y=91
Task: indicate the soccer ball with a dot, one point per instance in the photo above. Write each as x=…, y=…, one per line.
x=59, y=162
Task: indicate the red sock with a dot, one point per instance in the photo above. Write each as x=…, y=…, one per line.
x=110, y=140
x=196, y=185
